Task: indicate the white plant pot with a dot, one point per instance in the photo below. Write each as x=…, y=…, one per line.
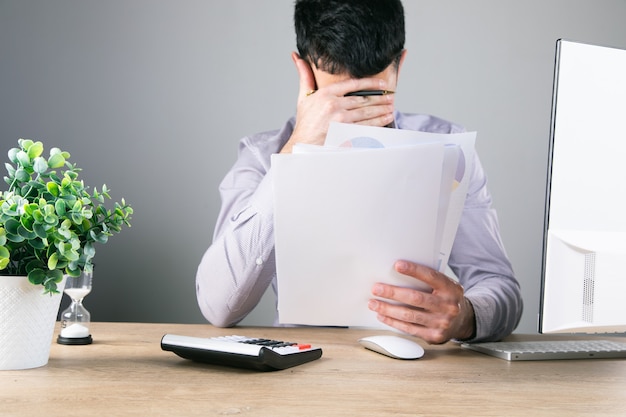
x=27, y=321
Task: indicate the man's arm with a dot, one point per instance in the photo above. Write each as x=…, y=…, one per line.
x=485, y=305
x=479, y=260
x=237, y=268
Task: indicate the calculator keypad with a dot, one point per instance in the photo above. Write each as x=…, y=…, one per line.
x=278, y=346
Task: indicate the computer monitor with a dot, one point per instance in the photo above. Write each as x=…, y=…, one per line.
x=584, y=250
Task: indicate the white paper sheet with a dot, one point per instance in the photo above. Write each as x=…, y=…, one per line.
x=350, y=136
x=343, y=218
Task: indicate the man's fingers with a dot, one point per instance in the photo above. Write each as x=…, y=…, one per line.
x=305, y=74
x=429, y=276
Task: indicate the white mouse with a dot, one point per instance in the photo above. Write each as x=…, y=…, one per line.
x=393, y=346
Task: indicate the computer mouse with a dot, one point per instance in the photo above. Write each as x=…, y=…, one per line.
x=393, y=346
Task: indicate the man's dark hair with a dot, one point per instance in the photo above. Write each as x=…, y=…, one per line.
x=356, y=37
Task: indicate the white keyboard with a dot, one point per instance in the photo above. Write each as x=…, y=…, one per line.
x=241, y=351
x=547, y=350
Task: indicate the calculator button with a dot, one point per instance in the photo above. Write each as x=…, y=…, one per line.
x=286, y=350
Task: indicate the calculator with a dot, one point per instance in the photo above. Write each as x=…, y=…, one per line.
x=241, y=351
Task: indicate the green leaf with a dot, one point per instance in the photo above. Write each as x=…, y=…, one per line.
x=37, y=276
x=5, y=257
x=73, y=272
x=39, y=244
x=65, y=232
x=13, y=155
x=9, y=209
x=52, y=279
x=56, y=275
x=54, y=177
x=11, y=226
x=15, y=238
x=30, y=209
x=40, y=230
x=26, y=234
x=35, y=150
x=56, y=160
x=53, y=188
x=72, y=255
x=10, y=169
x=89, y=250
x=60, y=207
x=23, y=159
x=87, y=213
x=40, y=165
x=24, y=143
x=77, y=218
x=51, y=219
x=38, y=216
x=50, y=288
x=52, y=261
x=21, y=175
x=102, y=238
x=27, y=223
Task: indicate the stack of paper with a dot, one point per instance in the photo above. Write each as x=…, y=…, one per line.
x=345, y=212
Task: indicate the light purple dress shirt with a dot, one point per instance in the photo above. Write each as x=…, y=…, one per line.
x=239, y=265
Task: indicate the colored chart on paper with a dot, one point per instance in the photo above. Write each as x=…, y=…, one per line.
x=362, y=142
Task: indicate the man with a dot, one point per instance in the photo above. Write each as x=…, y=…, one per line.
x=346, y=46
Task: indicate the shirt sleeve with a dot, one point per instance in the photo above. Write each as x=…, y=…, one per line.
x=479, y=260
x=239, y=265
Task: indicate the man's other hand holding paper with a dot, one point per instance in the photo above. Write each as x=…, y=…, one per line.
x=436, y=317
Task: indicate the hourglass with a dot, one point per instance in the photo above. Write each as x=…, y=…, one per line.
x=75, y=319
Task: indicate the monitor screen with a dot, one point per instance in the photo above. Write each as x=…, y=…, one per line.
x=583, y=275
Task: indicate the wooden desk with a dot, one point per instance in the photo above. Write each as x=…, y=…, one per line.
x=125, y=373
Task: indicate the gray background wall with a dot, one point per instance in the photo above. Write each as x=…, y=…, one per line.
x=152, y=96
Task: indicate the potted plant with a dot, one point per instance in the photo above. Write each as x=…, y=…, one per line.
x=49, y=225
